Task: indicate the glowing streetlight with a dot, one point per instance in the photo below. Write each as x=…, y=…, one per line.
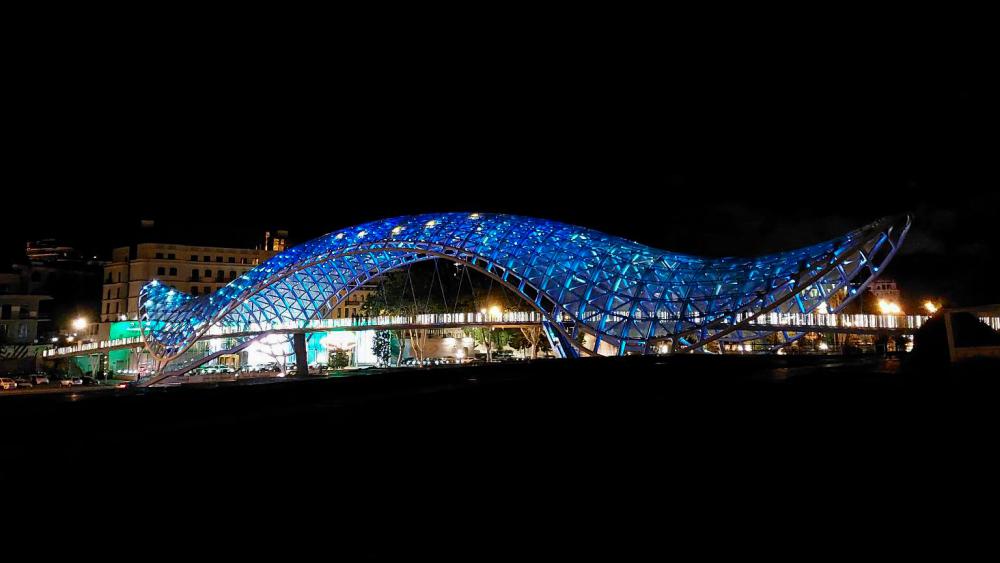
x=930, y=307
x=889, y=308
x=495, y=312
x=79, y=323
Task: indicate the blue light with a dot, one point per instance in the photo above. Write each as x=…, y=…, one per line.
x=620, y=292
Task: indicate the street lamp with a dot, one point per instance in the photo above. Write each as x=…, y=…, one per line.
x=889, y=308
x=79, y=324
x=930, y=307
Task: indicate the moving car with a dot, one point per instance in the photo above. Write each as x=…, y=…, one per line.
x=7, y=384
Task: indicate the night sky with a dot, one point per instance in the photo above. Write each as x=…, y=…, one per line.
x=728, y=159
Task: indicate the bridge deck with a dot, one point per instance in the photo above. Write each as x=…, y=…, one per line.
x=836, y=323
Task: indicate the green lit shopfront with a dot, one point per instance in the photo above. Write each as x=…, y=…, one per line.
x=135, y=361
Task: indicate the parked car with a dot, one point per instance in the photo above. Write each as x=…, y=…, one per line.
x=65, y=382
x=86, y=380
x=7, y=384
x=22, y=382
x=39, y=379
x=77, y=381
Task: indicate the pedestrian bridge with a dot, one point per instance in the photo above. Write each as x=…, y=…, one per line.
x=771, y=322
x=596, y=293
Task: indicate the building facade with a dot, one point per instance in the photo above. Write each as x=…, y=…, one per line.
x=884, y=288
x=23, y=315
x=197, y=270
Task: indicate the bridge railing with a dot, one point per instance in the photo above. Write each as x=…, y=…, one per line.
x=860, y=321
x=93, y=346
x=428, y=320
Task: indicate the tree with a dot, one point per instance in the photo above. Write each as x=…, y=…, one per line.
x=519, y=341
x=532, y=335
x=492, y=339
x=339, y=359
x=382, y=347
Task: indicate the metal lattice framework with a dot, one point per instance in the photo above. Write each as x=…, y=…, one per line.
x=598, y=293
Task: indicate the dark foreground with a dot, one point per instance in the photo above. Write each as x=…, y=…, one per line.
x=720, y=436
x=508, y=414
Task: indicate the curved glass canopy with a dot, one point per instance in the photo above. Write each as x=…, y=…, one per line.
x=598, y=293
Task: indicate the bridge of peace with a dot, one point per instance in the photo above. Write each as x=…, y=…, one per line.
x=590, y=293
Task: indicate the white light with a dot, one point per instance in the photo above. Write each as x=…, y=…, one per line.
x=397, y=230
x=460, y=353
x=824, y=346
x=889, y=308
x=473, y=216
x=79, y=323
x=430, y=223
x=362, y=234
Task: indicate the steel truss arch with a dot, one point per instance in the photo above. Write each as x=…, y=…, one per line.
x=616, y=296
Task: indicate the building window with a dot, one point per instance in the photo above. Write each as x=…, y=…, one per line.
x=208, y=273
x=194, y=290
x=243, y=260
x=232, y=275
x=119, y=277
x=22, y=330
x=232, y=260
x=159, y=256
x=161, y=271
x=171, y=256
x=195, y=274
x=207, y=290
x=206, y=259
x=173, y=271
x=218, y=258
x=194, y=257
x=118, y=292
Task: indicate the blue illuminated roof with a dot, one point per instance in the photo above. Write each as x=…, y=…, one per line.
x=624, y=296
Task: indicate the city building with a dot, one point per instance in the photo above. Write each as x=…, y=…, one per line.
x=50, y=250
x=23, y=315
x=885, y=288
x=276, y=242
x=196, y=270
x=72, y=282
x=25, y=319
